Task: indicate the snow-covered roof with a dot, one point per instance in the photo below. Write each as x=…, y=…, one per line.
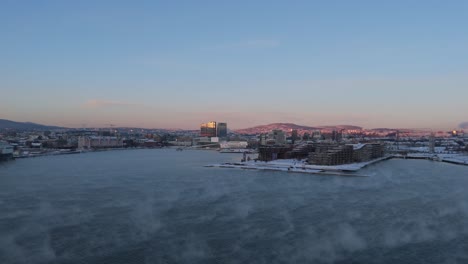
x=358, y=146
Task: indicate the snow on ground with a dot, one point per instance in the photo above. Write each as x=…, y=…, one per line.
x=451, y=157
x=420, y=155
x=461, y=159
x=293, y=165
x=301, y=165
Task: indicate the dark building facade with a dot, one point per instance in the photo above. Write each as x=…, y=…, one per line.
x=301, y=151
x=269, y=153
x=221, y=129
x=331, y=154
x=369, y=151
x=336, y=154
x=294, y=136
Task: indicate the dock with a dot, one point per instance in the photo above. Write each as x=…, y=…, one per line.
x=348, y=170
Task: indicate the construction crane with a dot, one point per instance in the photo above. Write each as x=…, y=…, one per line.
x=111, y=128
x=398, y=139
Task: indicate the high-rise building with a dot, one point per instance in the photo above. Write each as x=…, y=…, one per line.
x=213, y=129
x=208, y=129
x=432, y=143
x=221, y=130
x=294, y=135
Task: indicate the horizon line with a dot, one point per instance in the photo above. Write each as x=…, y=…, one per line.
x=234, y=129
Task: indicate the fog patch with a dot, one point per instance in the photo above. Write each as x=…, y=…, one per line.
x=145, y=220
x=242, y=210
x=325, y=246
x=76, y=231
x=10, y=251
x=31, y=243
x=193, y=249
x=446, y=223
x=353, y=214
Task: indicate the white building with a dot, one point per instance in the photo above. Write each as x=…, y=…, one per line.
x=234, y=145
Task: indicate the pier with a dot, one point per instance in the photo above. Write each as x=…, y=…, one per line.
x=295, y=166
x=448, y=158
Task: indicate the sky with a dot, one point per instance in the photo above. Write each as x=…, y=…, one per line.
x=176, y=64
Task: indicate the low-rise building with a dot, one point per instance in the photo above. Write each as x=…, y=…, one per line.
x=336, y=154
x=368, y=151
x=331, y=154
x=278, y=136
x=6, y=151
x=269, y=153
x=234, y=144
x=88, y=142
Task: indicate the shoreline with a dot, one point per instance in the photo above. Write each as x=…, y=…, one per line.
x=447, y=158
x=350, y=169
x=295, y=166
x=289, y=165
x=60, y=153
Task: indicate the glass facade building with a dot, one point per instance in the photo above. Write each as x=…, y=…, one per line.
x=222, y=129
x=208, y=129
x=213, y=129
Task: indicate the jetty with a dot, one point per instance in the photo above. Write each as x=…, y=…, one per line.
x=350, y=170
x=458, y=159
x=300, y=166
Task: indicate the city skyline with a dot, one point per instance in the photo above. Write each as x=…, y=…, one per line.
x=176, y=65
x=285, y=126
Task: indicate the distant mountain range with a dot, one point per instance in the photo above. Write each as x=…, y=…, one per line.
x=8, y=124
x=291, y=126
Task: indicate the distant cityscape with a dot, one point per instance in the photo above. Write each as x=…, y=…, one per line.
x=327, y=145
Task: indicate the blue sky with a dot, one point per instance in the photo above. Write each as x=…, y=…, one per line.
x=179, y=63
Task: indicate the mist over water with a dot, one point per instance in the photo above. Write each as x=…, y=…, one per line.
x=163, y=206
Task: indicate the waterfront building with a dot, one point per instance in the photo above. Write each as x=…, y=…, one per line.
x=269, y=153
x=180, y=143
x=203, y=140
x=151, y=143
x=234, y=145
x=331, y=154
x=302, y=150
x=208, y=129
x=213, y=129
x=6, y=151
x=368, y=151
x=221, y=130
x=336, y=154
x=88, y=142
